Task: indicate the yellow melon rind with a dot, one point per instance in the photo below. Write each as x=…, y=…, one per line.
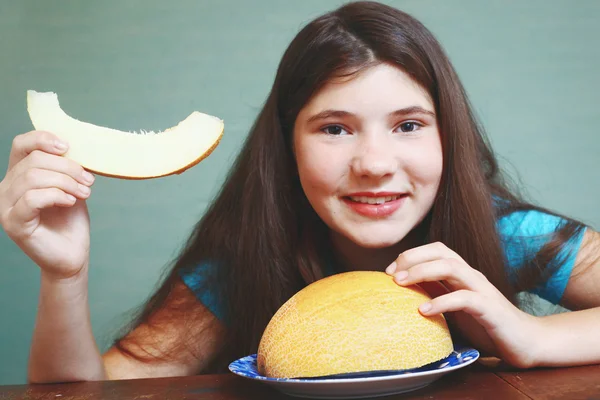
x=352, y=322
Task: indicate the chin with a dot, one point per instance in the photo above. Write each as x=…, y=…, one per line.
x=369, y=236
x=376, y=243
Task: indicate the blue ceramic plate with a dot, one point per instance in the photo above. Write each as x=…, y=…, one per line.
x=358, y=385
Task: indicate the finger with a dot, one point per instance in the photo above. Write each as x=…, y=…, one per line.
x=29, y=206
x=456, y=273
x=41, y=160
x=26, y=143
x=36, y=178
x=484, y=311
x=420, y=255
x=460, y=300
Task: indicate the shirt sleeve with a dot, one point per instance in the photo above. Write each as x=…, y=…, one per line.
x=194, y=279
x=524, y=233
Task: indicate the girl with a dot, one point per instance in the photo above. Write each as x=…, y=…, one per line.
x=366, y=156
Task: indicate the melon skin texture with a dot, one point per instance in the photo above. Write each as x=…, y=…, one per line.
x=127, y=155
x=352, y=322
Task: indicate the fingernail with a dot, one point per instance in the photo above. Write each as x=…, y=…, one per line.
x=402, y=275
x=60, y=145
x=425, y=307
x=391, y=268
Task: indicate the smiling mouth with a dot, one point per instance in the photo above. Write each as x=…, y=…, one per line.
x=374, y=200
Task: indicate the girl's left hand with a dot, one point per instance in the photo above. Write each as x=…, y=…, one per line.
x=483, y=315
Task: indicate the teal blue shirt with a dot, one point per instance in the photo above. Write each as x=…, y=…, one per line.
x=523, y=233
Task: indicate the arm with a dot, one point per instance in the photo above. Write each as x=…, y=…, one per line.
x=64, y=349
x=182, y=338
x=43, y=210
x=489, y=321
x=572, y=338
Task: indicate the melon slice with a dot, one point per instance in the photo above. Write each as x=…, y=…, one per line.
x=127, y=155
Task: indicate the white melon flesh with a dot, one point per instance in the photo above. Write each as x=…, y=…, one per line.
x=127, y=155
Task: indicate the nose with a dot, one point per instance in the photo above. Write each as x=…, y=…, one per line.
x=374, y=158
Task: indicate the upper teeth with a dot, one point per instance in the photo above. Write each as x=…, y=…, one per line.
x=373, y=200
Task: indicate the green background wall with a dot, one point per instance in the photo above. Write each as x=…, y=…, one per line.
x=531, y=69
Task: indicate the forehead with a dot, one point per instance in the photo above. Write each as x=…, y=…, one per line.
x=379, y=89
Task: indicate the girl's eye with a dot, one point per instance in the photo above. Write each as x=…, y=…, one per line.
x=334, y=130
x=410, y=126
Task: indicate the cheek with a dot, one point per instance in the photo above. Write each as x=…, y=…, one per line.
x=319, y=168
x=426, y=165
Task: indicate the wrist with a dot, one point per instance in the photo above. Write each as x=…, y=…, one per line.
x=63, y=288
x=535, y=341
x=77, y=278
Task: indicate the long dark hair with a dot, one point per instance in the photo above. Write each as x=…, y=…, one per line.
x=260, y=236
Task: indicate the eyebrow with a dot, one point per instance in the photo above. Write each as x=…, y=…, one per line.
x=398, y=113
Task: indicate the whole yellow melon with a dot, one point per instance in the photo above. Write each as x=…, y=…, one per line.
x=352, y=322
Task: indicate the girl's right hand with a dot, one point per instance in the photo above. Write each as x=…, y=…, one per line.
x=42, y=205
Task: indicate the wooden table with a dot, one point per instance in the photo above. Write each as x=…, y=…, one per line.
x=477, y=381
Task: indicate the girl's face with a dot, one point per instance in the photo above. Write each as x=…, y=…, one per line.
x=369, y=156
